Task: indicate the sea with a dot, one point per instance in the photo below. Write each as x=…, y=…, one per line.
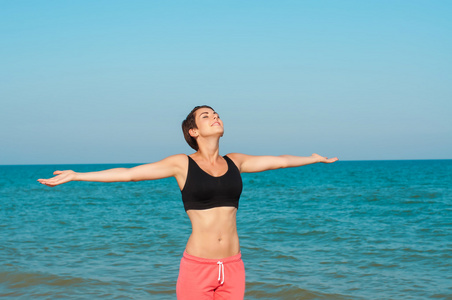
x=348, y=230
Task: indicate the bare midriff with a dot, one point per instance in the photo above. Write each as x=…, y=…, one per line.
x=214, y=233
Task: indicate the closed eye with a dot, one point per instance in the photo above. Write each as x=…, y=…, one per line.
x=206, y=115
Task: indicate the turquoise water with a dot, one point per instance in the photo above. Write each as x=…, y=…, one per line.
x=350, y=230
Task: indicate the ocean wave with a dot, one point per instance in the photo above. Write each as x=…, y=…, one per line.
x=261, y=290
x=14, y=279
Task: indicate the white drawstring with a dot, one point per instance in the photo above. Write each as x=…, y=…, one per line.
x=220, y=271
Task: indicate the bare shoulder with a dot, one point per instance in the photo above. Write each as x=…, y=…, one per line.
x=176, y=160
x=237, y=158
x=180, y=156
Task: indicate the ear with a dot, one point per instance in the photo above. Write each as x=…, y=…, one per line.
x=193, y=133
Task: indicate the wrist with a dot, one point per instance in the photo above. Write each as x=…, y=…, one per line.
x=316, y=158
x=76, y=176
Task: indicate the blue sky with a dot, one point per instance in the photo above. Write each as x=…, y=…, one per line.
x=111, y=81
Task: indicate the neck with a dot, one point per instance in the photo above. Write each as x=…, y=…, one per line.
x=209, y=149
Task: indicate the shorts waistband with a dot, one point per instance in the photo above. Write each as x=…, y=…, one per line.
x=213, y=261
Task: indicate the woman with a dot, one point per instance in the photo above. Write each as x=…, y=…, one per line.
x=211, y=266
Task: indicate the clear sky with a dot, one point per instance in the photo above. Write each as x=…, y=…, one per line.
x=111, y=81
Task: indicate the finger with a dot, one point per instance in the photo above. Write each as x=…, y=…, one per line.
x=51, y=184
x=57, y=172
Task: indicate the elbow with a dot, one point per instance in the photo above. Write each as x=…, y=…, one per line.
x=283, y=162
x=133, y=175
x=126, y=175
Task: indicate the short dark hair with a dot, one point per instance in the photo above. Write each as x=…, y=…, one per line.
x=190, y=123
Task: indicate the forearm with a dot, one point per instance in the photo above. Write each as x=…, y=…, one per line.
x=290, y=161
x=110, y=175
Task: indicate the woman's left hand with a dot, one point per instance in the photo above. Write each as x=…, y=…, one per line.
x=322, y=159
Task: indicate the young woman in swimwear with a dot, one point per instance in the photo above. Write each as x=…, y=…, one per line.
x=211, y=266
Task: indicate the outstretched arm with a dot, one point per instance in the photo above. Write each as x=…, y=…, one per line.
x=251, y=164
x=169, y=167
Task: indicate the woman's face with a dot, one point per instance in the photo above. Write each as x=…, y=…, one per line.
x=208, y=122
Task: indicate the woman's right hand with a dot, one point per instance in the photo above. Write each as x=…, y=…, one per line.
x=62, y=177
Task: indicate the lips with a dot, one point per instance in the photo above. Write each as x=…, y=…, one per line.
x=215, y=123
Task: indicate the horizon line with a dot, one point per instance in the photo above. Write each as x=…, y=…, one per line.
x=142, y=163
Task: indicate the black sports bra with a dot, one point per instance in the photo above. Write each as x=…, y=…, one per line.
x=203, y=191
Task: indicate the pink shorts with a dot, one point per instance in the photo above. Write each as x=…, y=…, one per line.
x=203, y=278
